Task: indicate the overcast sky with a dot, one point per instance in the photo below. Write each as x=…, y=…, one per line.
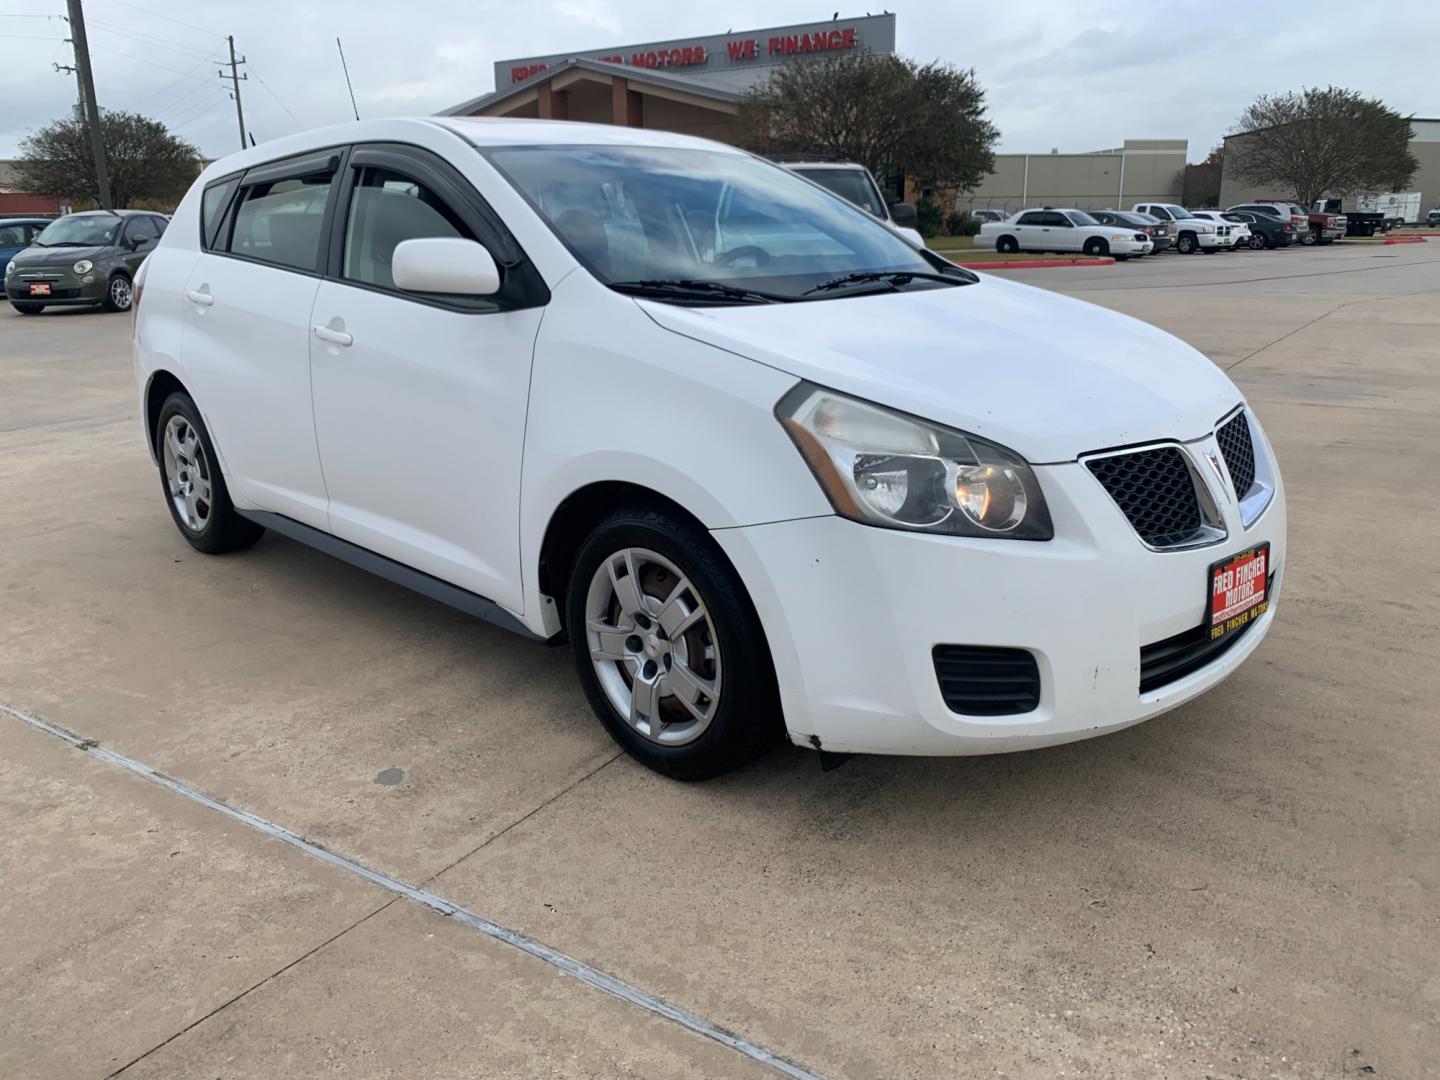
x=1077, y=76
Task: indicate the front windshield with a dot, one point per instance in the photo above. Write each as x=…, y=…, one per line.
x=636, y=214
x=1179, y=212
x=80, y=230
x=1079, y=217
x=850, y=184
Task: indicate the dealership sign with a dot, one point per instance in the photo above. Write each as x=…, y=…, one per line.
x=742, y=56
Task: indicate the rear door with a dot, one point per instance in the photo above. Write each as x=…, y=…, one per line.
x=247, y=332
x=420, y=398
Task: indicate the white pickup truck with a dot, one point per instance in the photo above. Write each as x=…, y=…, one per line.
x=1192, y=234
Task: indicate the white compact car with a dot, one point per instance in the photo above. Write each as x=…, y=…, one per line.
x=770, y=470
x=1065, y=231
x=1240, y=236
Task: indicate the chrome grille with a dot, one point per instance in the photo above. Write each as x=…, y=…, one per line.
x=1155, y=490
x=1239, y=452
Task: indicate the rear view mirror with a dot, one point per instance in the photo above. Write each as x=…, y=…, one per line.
x=444, y=264
x=903, y=214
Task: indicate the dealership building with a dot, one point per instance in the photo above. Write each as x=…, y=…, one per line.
x=689, y=85
x=694, y=86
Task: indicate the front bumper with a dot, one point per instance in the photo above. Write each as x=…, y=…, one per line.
x=70, y=289
x=852, y=614
x=1211, y=240
x=1131, y=247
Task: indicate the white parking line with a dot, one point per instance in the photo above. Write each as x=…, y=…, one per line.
x=568, y=964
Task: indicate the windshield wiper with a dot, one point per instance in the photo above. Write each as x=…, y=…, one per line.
x=697, y=290
x=893, y=278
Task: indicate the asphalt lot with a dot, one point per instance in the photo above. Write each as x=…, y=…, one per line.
x=1246, y=887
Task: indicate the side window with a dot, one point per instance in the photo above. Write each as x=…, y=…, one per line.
x=386, y=208
x=12, y=236
x=279, y=221
x=1035, y=217
x=212, y=209
x=158, y=224
x=1057, y=220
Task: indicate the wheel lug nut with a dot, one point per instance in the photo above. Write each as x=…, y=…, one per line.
x=642, y=622
x=633, y=643
x=650, y=669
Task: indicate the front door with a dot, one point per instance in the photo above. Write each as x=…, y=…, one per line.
x=419, y=398
x=1062, y=233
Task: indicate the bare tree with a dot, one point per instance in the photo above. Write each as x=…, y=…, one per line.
x=145, y=161
x=1317, y=142
x=889, y=114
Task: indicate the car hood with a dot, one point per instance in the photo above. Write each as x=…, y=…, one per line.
x=33, y=258
x=1043, y=374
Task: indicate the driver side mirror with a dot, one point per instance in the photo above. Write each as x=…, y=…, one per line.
x=138, y=240
x=444, y=264
x=903, y=214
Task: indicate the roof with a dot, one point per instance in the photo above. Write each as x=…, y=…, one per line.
x=631, y=74
x=517, y=131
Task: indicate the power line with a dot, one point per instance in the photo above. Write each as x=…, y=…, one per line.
x=142, y=60
x=148, y=39
x=167, y=18
x=196, y=109
x=276, y=96
x=171, y=85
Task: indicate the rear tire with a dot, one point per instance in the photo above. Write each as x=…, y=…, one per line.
x=27, y=309
x=193, y=484
x=1007, y=245
x=669, y=650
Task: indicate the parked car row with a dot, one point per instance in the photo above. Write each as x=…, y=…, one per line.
x=80, y=259
x=1154, y=226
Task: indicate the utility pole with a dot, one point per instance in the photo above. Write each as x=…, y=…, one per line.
x=87, y=97
x=235, y=80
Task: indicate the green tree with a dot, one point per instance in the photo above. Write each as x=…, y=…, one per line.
x=145, y=161
x=889, y=114
x=1317, y=142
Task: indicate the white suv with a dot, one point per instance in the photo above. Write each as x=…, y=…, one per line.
x=769, y=469
x=1192, y=234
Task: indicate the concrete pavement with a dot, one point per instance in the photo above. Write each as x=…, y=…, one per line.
x=1246, y=887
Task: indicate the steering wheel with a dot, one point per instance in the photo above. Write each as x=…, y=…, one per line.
x=759, y=254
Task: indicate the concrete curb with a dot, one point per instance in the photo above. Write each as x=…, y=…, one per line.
x=1034, y=264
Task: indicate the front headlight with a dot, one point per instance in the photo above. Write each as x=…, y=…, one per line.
x=1207, y=228
x=1119, y=236
x=10, y=268
x=84, y=266
x=885, y=468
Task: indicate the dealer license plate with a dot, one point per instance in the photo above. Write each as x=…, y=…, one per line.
x=40, y=288
x=1238, y=591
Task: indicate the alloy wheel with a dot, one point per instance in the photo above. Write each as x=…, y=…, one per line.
x=654, y=647
x=120, y=293
x=187, y=473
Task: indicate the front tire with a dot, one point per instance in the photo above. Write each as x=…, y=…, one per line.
x=27, y=309
x=1186, y=244
x=1308, y=238
x=119, y=294
x=194, y=487
x=1257, y=242
x=1096, y=248
x=668, y=647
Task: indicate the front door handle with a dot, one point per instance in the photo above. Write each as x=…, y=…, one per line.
x=334, y=337
x=195, y=296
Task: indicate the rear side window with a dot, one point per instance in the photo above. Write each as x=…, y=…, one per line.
x=1035, y=217
x=386, y=208
x=13, y=236
x=213, y=205
x=158, y=224
x=280, y=221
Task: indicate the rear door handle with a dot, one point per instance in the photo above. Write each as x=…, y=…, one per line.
x=334, y=337
x=204, y=299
